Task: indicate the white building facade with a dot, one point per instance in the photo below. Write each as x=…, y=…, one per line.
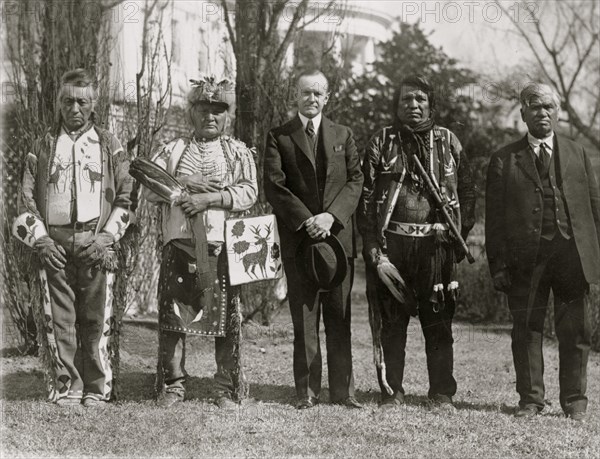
x=194, y=39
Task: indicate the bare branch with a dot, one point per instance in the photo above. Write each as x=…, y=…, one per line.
x=532, y=47
x=106, y=5
x=576, y=15
x=291, y=31
x=277, y=10
x=554, y=55
x=327, y=9
x=559, y=27
x=230, y=30
x=593, y=42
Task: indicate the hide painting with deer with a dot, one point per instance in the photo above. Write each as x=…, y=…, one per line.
x=253, y=249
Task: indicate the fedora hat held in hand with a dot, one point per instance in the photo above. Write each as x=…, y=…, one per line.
x=323, y=262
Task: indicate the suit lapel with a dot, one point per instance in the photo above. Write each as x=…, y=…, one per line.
x=299, y=138
x=525, y=161
x=327, y=131
x=563, y=156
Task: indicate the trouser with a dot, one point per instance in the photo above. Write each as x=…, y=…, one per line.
x=306, y=302
x=558, y=267
x=437, y=331
x=435, y=324
x=172, y=347
x=81, y=315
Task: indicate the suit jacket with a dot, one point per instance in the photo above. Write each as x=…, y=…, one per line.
x=290, y=181
x=514, y=201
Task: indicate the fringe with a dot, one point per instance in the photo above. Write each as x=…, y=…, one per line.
x=241, y=387
x=46, y=356
x=376, y=326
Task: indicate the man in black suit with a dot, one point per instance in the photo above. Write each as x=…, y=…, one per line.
x=543, y=232
x=312, y=178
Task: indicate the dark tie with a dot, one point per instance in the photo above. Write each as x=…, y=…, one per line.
x=542, y=161
x=310, y=130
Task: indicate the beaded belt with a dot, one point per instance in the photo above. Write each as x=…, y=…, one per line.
x=79, y=226
x=415, y=229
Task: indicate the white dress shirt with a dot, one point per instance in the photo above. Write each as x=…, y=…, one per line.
x=535, y=143
x=316, y=121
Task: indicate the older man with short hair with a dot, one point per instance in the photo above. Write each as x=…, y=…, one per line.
x=312, y=179
x=75, y=200
x=542, y=234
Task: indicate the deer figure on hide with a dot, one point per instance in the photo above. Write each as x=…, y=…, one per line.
x=250, y=260
x=55, y=176
x=92, y=175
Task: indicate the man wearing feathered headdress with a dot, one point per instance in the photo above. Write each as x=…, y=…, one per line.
x=218, y=174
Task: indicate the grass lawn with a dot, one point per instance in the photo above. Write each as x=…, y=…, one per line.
x=268, y=425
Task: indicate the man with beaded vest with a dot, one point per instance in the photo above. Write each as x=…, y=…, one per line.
x=195, y=298
x=543, y=233
x=404, y=233
x=75, y=200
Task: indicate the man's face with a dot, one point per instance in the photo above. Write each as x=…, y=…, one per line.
x=413, y=106
x=541, y=116
x=76, y=105
x=313, y=94
x=208, y=119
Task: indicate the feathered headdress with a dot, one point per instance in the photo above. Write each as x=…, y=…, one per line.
x=207, y=89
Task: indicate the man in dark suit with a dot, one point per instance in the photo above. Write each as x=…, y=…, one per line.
x=312, y=178
x=542, y=233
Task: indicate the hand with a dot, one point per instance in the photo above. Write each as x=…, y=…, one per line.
x=372, y=257
x=192, y=204
x=319, y=226
x=51, y=254
x=502, y=280
x=198, y=183
x=95, y=249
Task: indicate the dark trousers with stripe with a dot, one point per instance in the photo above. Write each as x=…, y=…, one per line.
x=306, y=303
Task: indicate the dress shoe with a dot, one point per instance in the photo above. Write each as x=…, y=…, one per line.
x=388, y=401
x=169, y=399
x=527, y=411
x=306, y=402
x=349, y=402
x=577, y=416
x=225, y=403
x=442, y=403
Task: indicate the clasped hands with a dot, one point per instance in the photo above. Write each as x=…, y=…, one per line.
x=319, y=226
x=204, y=192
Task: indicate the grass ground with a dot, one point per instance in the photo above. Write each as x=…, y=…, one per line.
x=267, y=425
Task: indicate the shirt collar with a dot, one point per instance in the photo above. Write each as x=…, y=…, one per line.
x=316, y=121
x=92, y=134
x=535, y=142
